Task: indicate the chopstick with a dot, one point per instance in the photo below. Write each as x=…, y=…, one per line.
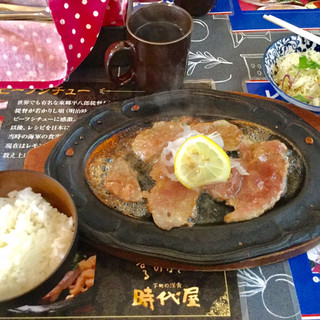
x=20, y=12
x=301, y=32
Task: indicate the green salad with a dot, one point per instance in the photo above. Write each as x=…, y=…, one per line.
x=298, y=75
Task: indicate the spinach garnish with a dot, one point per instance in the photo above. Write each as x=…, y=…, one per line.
x=305, y=63
x=301, y=98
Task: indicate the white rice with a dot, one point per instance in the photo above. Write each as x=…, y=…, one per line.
x=34, y=238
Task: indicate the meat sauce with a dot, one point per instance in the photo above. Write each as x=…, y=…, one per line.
x=125, y=174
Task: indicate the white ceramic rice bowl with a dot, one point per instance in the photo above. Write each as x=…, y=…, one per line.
x=58, y=197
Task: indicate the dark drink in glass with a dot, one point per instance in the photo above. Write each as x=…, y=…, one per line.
x=158, y=43
x=196, y=7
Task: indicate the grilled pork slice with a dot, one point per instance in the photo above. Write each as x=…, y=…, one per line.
x=223, y=191
x=267, y=166
x=170, y=203
x=149, y=143
x=229, y=132
x=121, y=180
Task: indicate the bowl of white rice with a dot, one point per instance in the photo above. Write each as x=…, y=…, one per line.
x=38, y=236
x=292, y=66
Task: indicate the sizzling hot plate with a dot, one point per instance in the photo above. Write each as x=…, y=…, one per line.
x=280, y=233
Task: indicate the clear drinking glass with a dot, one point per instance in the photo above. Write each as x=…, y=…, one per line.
x=196, y=7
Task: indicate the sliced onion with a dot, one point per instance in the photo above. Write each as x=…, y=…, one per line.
x=313, y=89
x=216, y=137
x=294, y=79
x=283, y=79
x=171, y=176
x=236, y=163
x=168, y=153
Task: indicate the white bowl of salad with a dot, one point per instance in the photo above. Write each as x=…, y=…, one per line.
x=292, y=65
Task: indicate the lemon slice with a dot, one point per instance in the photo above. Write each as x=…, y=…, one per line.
x=200, y=162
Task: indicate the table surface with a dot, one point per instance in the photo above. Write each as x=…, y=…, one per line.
x=230, y=61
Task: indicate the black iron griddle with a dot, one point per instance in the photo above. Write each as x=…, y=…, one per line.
x=290, y=228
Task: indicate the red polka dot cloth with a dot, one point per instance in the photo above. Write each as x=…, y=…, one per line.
x=115, y=14
x=39, y=55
